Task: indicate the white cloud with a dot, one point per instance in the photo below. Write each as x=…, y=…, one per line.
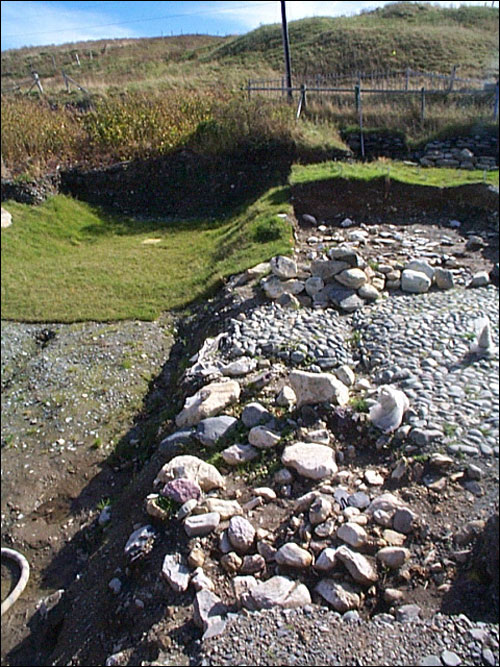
x=40, y=23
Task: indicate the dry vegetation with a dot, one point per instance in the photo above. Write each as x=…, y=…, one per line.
x=148, y=97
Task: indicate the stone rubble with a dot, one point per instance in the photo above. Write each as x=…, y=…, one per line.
x=347, y=531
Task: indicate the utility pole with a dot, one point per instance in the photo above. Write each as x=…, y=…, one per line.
x=286, y=47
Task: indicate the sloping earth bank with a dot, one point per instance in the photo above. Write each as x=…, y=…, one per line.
x=70, y=395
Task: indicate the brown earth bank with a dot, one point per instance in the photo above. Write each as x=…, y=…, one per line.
x=79, y=427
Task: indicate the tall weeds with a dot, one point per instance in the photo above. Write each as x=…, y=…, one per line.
x=37, y=136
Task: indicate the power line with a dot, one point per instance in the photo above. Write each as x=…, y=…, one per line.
x=155, y=18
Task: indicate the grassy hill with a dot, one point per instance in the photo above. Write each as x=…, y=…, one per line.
x=419, y=35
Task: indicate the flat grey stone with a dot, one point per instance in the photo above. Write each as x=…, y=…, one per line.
x=408, y=613
x=450, y=659
x=254, y=414
x=237, y=453
x=176, y=572
x=342, y=596
x=430, y=661
x=201, y=524
x=210, y=430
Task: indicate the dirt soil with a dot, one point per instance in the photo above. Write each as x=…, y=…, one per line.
x=83, y=408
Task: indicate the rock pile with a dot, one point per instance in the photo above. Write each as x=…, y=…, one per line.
x=346, y=541
x=343, y=279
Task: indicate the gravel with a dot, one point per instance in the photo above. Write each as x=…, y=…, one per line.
x=419, y=343
x=318, y=636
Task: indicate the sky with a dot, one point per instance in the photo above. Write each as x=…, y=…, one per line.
x=44, y=22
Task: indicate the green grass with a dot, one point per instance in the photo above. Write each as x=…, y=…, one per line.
x=359, y=404
x=394, y=37
x=397, y=171
x=68, y=261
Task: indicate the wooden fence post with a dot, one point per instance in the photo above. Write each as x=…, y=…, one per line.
x=302, y=101
x=77, y=59
x=36, y=82
x=452, y=78
x=495, y=104
x=249, y=90
x=357, y=96
x=422, y=104
x=66, y=82
x=360, y=109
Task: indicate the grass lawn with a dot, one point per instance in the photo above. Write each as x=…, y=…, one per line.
x=68, y=261
x=398, y=171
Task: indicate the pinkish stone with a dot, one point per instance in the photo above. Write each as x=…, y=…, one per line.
x=181, y=490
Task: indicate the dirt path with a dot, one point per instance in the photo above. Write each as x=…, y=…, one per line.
x=71, y=395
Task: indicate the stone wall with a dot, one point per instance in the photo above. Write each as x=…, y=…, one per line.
x=464, y=152
x=31, y=192
x=378, y=144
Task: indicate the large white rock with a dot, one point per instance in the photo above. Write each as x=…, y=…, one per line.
x=387, y=413
x=275, y=592
x=310, y=460
x=200, y=581
x=204, y=474
x=393, y=557
x=208, y=402
x=263, y=438
x=320, y=510
x=345, y=374
x=238, y=453
x=484, y=346
x=240, y=533
x=226, y=508
x=352, y=534
x=359, y=567
x=326, y=560
x=369, y=292
x=352, y=278
x=415, y=282
x=291, y=555
x=6, y=218
x=341, y=595
x=387, y=502
x=176, y=572
x=201, y=524
x=209, y=613
x=421, y=266
x=283, y=267
x=240, y=367
x=312, y=388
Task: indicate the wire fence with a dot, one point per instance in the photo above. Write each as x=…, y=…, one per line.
x=406, y=80
x=385, y=84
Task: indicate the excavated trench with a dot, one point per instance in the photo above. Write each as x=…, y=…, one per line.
x=88, y=603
